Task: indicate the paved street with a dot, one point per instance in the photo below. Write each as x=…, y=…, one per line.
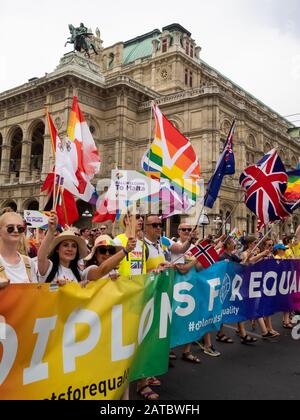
x=267, y=370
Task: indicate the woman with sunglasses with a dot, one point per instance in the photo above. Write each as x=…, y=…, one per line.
x=105, y=258
x=14, y=267
x=58, y=258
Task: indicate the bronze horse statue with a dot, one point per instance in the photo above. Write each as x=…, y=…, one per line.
x=81, y=40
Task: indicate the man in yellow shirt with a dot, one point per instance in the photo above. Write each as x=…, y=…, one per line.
x=293, y=250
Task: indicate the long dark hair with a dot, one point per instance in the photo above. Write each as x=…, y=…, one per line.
x=55, y=260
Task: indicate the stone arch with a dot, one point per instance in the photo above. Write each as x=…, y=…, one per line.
x=283, y=155
x=177, y=122
x=15, y=139
x=267, y=147
x=31, y=204
x=225, y=127
x=10, y=203
x=94, y=127
x=37, y=133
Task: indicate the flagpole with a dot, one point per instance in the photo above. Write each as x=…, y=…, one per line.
x=64, y=204
x=295, y=205
x=262, y=240
x=150, y=140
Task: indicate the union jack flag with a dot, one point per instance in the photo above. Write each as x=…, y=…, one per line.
x=265, y=185
x=206, y=254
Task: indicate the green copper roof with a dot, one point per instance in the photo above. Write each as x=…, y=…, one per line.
x=139, y=47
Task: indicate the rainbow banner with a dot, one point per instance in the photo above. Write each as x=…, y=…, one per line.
x=83, y=344
x=293, y=189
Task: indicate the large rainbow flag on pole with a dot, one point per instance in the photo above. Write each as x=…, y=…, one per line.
x=293, y=189
x=173, y=157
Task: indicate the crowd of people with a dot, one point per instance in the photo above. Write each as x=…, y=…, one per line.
x=70, y=255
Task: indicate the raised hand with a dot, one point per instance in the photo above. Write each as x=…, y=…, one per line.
x=131, y=245
x=52, y=222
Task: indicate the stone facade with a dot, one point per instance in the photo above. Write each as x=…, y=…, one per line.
x=115, y=90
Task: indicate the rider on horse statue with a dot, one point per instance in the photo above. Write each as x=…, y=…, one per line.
x=80, y=37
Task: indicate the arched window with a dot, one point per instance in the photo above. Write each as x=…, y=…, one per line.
x=37, y=148
x=267, y=148
x=248, y=224
x=31, y=205
x=10, y=204
x=251, y=142
x=228, y=226
x=16, y=151
x=253, y=225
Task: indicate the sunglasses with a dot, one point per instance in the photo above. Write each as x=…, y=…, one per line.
x=155, y=225
x=105, y=251
x=138, y=217
x=11, y=228
x=186, y=230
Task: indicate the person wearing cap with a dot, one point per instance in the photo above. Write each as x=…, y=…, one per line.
x=280, y=252
x=105, y=257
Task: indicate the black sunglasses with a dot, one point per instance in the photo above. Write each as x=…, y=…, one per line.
x=186, y=230
x=11, y=228
x=105, y=251
x=155, y=225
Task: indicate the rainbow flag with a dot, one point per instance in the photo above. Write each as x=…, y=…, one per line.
x=172, y=155
x=293, y=189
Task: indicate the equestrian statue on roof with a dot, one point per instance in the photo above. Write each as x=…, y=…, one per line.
x=82, y=38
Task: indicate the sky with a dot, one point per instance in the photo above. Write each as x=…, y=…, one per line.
x=255, y=43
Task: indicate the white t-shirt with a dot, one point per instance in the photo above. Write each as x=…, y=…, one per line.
x=17, y=273
x=62, y=274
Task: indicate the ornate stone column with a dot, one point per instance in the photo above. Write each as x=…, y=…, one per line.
x=25, y=160
x=5, y=161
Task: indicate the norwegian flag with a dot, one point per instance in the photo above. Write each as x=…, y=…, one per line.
x=265, y=185
x=206, y=254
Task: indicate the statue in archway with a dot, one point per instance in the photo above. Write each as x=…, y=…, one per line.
x=82, y=39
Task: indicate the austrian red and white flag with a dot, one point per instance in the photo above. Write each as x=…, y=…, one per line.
x=205, y=253
x=84, y=155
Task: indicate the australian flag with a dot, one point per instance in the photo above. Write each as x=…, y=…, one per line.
x=265, y=184
x=225, y=166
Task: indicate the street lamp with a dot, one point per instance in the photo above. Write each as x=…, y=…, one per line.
x=87, y=213
x=204, y=221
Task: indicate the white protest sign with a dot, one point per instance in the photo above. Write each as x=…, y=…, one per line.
x=131, y=186
x=35, y=219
